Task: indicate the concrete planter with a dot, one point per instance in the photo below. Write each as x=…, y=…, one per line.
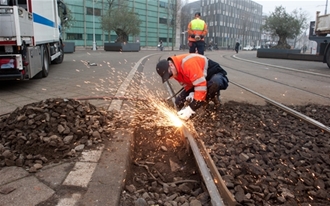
x=276, y=53
x=293, y=54
x=124, y=47
x=69, y=47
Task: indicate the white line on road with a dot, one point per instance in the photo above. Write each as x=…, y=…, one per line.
x=80, y=174
x=69, y=201
x=116, y=104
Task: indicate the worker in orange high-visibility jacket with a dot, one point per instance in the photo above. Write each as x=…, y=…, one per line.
x=197, y=30
x=201, y=78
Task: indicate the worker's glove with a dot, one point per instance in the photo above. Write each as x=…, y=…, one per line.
x=197, y=38
x=202, y=37
x=190, y=97
x=185, y=113
x=192, y=36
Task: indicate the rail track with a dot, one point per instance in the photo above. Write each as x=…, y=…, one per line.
x=205, y=157
x=291, y=72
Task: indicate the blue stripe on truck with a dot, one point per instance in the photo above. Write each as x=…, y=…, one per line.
x=42, y=20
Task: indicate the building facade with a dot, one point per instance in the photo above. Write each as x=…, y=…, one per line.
x=229, y=21
x=155, y=16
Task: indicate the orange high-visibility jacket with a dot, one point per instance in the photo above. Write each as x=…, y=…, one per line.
x=196, y=27
x=192, y=72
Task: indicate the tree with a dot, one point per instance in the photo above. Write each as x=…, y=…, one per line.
x=120, y=19
x=175, y=15
x=302, y=17
x=66, y=19
x=285, y=25
x=185, y=18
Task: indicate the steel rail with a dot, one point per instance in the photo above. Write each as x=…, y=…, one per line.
x=216, y=199
x=278, y=82
x=212, y=189
x=287, y=109
x=281, y=67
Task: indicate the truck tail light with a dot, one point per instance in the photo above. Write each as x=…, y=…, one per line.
x=8, y=63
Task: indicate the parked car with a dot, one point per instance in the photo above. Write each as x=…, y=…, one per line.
x=256, y=48
x=248, y=48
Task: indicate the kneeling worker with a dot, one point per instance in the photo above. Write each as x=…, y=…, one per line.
x=201, y=77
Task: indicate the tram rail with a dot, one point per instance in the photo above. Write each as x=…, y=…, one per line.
x=222, y=196
x=281, y=69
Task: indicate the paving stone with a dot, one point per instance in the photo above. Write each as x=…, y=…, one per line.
x=9, y=174
x=28, y=191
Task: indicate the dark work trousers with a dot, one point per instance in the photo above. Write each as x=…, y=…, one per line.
x=214, y=85
x=199, y=45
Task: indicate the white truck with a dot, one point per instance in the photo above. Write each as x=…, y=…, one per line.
x=320, y=32
x=30, y=37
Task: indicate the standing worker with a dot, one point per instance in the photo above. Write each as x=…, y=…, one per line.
x=237, y=47
x=197, y=30
x=202, y=79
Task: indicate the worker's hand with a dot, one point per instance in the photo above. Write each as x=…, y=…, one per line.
x=190, y=97
x=202, y=36
x=185, y=113
x=192, y=36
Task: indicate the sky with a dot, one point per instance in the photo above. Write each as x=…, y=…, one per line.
x=308, y=6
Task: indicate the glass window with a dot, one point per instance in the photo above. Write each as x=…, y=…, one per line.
x=163, y=39
x=74, y=36
x=97, y=37
x=89, y=11
x=162, y=4
x=162, y=21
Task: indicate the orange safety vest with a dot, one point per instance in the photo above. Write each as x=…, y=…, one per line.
x=197, y=27
x=192, y=72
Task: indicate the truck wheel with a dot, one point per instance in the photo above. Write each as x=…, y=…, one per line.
x=45, y=63
x=60, y=58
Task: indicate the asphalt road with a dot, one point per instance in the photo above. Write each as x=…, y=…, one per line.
x=75, y=78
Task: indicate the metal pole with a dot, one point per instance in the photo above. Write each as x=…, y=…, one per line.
x=326, y=6
x=94, y=43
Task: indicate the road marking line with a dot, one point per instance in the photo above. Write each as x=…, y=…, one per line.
x=91, y=155
x=80, y=174
x=116, y=104
x=69, y=201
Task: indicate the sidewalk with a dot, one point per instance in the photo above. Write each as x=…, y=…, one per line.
x=96, y=179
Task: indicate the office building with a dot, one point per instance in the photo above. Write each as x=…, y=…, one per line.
x=228, y=21
x=85, y=28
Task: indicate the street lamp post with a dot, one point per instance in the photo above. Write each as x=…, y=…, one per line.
x=94, y=43
x=184, y=37
x=326, y=6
